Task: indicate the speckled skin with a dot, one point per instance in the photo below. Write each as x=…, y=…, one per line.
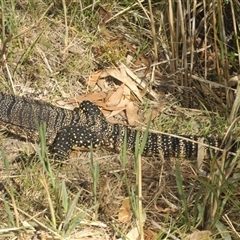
x=86, y=127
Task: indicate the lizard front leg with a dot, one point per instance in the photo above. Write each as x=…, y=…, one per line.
x=71, y=137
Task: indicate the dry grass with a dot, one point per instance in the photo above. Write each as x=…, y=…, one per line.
x=49, y=49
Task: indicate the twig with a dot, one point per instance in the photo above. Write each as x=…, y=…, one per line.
x=121, y=12
x=153, y=32
x=66, y=24
x=140, y=210
x=165, y=231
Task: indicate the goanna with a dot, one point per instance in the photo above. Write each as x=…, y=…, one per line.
x=86, y=127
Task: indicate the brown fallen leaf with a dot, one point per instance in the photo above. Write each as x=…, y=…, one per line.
x=121, y=75
x=116, y=96
x=133, y=234
x=112, y=99
x=143, y=60
x=132, y=113
x=92, y=96
x=109, y=94
x=103, y=14
x=199, y=235
x=93, y=79
x=138, y=81
x=116, y=111
x=150, y=235
x=125, y=212
x=121, y=106
x=108, y=108
x=101, y=83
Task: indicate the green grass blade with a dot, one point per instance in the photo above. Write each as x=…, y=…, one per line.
x=182, y=195
x=145, y=138
x=137, y=143
x=70, y=212
x=5, y=160
x=64, y=197
x=9, y=213
x=75, y=222
x=94, y=166
x=123, y=154
x=223, y=230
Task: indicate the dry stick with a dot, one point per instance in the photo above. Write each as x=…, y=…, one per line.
x=2, y=55
x=153, y=32
x=226, y=218
x=154, y=41
x=205, y=39
x=144, y=10
x=223, y=51
x=151, y=20
x=185, y=82
x=165, y=231
x=140, y=210
x=45, y=185
x=215, y=38
x=9, y=74
x=4, y=48
x=138, y=81
x=66, y=24
x=235, y=30
x=236, y=157
x=42, y=54
x=235, y=106
x=213, y=84
x=192, y=31
x=172, y=35
x=121, y=12
x=233, y=118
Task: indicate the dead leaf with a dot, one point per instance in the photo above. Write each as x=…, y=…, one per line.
x=121, y=106
x=140, y=83
x=125, y=213
x=150, y=235
x=109, y=94
x=133, y=234
x=124, y=78
x=104, y=14
x=199, y=235
x=132, y=113
x=165, y=210
x=113, y=99
x=62, y=103
x=116, y=96
x=92, y=80
x=143, y=60
x=147, y=61
x=109, y=108
x=101, y=83
x=106, y=112
x=92, y=96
